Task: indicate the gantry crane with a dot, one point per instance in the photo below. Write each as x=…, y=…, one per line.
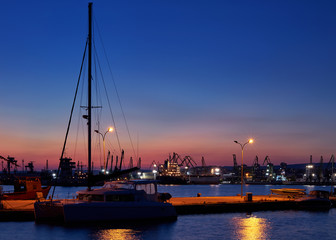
x=10, y=161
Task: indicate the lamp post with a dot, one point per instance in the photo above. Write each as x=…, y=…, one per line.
x=242, y=171
x=110, y=129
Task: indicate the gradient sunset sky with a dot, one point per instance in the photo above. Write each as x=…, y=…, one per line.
x=193, y=76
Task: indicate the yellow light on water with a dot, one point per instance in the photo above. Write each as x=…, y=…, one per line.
x=122, y=234
x=251, y=228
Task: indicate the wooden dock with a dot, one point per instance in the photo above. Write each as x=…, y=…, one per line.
x=203, y=205
x=23, y=210
x=17, y=210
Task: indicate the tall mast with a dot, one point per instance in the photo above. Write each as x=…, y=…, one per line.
x=89, y=95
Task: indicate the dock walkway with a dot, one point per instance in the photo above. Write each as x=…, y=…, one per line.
x=197, y=205
x=23, y=210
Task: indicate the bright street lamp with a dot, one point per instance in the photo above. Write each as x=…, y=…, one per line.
x=110, y=129
x=242, y=172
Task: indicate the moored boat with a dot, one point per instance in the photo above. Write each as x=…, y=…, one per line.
x=26, y=188
x=289, y=192
x=315, y=200
x=129, y=200
x=115, y=201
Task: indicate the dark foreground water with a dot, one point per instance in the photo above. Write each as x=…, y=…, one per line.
x=256, y=225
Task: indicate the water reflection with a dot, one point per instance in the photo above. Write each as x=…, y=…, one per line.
x=132, y=230
x=251, y=227
x=117, y=234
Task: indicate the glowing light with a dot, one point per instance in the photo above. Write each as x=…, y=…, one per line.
x=251, y=228
x=251, y=140
x=122, y=234
x=110, y=129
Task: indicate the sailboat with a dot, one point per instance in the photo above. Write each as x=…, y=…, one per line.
x=116, y=200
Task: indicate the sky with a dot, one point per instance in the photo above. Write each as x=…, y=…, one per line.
x=192, y=76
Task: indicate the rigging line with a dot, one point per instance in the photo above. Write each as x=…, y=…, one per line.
x=115, y=87
x=97, y=110
x=108, y=101
x=72, y=108
x=83, y=125
x=98, y=100
x=79, y=115
x=98, y=117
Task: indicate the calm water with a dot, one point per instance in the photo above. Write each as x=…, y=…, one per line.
x=257, y=225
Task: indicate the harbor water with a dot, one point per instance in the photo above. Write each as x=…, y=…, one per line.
x=255, y=225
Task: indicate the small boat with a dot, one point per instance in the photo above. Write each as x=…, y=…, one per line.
x=26, y=188
x=315, y=200
x=289, y=192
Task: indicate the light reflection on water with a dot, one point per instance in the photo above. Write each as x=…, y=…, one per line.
x=251, y=227
x=117, y=234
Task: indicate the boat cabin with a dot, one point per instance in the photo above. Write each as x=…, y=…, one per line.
x=122, y=191
x=319, y=194
x=27, y=184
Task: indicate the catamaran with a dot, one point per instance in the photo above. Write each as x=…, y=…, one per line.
x=128, y=200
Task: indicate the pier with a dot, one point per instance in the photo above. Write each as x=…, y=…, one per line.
x=203, y=205
x=23, y=210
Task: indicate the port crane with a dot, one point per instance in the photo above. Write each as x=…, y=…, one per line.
x=256, y=167
x=10, y=161
x=189, y=162
x=30, y=166
x=320, y=170
x=153, y=164
x=330, y=169
x=269, y=169
x=235, y=165
x=203, y=162
x=107, y=159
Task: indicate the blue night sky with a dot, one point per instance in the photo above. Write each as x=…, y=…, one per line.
x=192, y=76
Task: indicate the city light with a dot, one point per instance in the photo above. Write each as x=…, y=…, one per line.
x=242, y=166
